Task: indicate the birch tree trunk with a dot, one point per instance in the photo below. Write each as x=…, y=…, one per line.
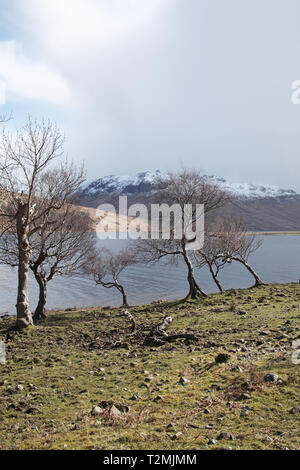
x=215, y=278
x=40, y=309
x=258, y=281
x=122, y=290
x=24, y=317
x=194, y=287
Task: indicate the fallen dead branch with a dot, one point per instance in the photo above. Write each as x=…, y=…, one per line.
x=159, y=336
x=132, y=320
x=145, y=334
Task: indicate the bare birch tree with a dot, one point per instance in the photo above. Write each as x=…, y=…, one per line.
x=107, y=267
x=239, y=245
x=227, y=241
x=211, y=256
x=60, y=249
x=30, y=189
x=187, y=187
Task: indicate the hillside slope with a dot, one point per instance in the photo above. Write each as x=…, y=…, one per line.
x=171, y=397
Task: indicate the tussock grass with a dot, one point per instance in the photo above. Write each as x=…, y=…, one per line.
x=62, y=378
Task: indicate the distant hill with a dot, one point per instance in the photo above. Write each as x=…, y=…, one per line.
x=263, y=207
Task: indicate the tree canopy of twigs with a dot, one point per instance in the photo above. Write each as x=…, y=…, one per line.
x=187, y=187
x=31, y=189
x=228, y=240
x=59, y=249
x=106, y=267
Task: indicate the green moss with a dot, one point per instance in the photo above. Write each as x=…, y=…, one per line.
x=62, y=377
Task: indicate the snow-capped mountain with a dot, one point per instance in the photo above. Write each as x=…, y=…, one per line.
x=252, y=191
x=145, y=183
x=116, y=184
x=263, y=207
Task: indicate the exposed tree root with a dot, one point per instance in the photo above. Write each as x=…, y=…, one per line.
x=132, y=320
x=147, y=335
x=158, y=335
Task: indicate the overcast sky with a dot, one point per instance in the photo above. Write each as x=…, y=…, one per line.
x=156, y=84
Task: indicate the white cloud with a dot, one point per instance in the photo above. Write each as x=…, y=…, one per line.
x=80, y=22
x=93, y=49
x=27, y=79
x=155, y=83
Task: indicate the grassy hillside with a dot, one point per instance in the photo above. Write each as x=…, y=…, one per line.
x=170, y=397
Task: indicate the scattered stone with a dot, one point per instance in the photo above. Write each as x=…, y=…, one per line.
x=158, y=398
x=244, y=396
x=212, y=442
x=237, y=369
x=135, y=397
x=222, y=358
x=149, y=378
x=32, y=410
x=176, y=436
x=295, y=410
x=216, y=387
x=271, y=378
x=282, y=336
x=245, y=412
x=247, y=386
x=183, y=381
x=241, y=312
x=96, y=411
x=20, y=388
x=225, y=436
x=122, y=408
x=114, y=412
x=171, y=427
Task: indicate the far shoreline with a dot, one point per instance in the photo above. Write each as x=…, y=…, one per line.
x=274, y=233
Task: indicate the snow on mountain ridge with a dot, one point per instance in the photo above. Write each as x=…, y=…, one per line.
x=252, y=191
x=144, y=182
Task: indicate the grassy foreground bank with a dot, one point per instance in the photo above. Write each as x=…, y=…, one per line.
x=170, y=397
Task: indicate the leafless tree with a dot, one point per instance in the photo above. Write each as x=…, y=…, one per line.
x=30, y=189
x=187, y=187
x=228, y=240
x=239, y=245
x=106, y=268
x=211, y=255
x=60, y=249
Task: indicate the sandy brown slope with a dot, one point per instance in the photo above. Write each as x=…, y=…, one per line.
x=268, y=214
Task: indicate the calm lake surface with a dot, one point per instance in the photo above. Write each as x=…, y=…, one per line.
x=278, y=260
